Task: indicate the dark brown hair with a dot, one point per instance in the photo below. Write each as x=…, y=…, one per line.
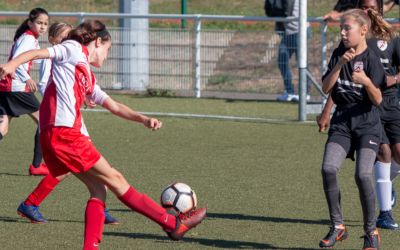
x=379, y=2
x=33, y=14
x=89, y=31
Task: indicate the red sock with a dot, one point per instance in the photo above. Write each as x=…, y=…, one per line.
x=42, y=190
x=94, y=223
x=142, y=204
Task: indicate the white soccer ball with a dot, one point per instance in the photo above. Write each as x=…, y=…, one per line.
x=178, y=198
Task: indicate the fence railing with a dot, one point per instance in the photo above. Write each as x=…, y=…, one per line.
x=198, y=61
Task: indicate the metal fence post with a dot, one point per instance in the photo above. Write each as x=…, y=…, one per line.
x=303, y=61
x=81, y=17
x=324, y=47
x=197, y=63
x=324, y=63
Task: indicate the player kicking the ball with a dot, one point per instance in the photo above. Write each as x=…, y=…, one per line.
x=65, y=143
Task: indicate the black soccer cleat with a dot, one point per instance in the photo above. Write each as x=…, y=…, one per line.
x=338, y=233
x=385, y=220
x=372, y=240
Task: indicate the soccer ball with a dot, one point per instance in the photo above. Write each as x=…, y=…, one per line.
x=178, y=198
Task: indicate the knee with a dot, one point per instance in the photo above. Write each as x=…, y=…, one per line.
x=329, y=171
x=363, y=177
x=4, y=130
x=384, y=154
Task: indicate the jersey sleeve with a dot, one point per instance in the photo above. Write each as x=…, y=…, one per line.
x=22, y=45
x=98, y=96
x=332, y=62
x=44, y=74
x=63, y=52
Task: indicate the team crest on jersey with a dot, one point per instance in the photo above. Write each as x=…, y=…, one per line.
x=358, y=66
x=83, y=81
x=382, y=45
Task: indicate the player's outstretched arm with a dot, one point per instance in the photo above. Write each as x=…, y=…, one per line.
x=10, y=67
x=127, y=113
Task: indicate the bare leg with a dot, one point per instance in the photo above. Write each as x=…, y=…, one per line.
x=4, y=123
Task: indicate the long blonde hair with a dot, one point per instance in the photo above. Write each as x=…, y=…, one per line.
x=377, y=26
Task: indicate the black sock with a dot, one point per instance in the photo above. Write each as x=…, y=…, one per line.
x=37, y=151
x=1, y=136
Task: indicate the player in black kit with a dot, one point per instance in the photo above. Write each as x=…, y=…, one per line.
x=387, y=165
x=353, y=80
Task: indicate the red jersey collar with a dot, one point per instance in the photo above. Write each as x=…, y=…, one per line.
x=30, y=32
x=85, y=50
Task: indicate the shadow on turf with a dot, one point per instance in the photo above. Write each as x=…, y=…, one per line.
x=13, y=174
x=8, y=219
x=24, y=220
x=260, y=218
x=218, y=243
x=269, y=219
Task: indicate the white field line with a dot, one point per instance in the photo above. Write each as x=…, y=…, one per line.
x=215, y=117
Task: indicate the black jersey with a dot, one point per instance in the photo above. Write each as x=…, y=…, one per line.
x=345, y=91
x=389, y=55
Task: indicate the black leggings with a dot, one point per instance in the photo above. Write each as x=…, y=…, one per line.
x=333, y=157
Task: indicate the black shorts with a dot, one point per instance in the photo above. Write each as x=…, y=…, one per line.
x=390, y=116
x=356, y=127
x=18, y=103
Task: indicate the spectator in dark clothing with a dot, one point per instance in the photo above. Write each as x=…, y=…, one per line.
x=343, y=5
x=289, y=32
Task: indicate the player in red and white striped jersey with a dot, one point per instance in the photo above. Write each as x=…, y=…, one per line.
x=64, y=139
x=17, y=94
x=30, y=207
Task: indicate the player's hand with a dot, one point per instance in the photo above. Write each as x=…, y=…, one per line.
x=153, y=124
x=359, y=77
x=89, y=103
x=332, y=16
x=7, y=69
x=347, y=56
x=323, y=122
x=32, y=85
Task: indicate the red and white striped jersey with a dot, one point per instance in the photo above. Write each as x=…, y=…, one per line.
x=25, y=42
x=71, y=81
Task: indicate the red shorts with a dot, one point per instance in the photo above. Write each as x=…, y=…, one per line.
x=67, y=150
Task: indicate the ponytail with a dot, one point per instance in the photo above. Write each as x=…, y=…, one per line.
x=33, y=14
x=379, y=27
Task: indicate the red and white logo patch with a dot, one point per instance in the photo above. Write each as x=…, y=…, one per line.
x=382, y=45
x=358, y=66
x=83, y=82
